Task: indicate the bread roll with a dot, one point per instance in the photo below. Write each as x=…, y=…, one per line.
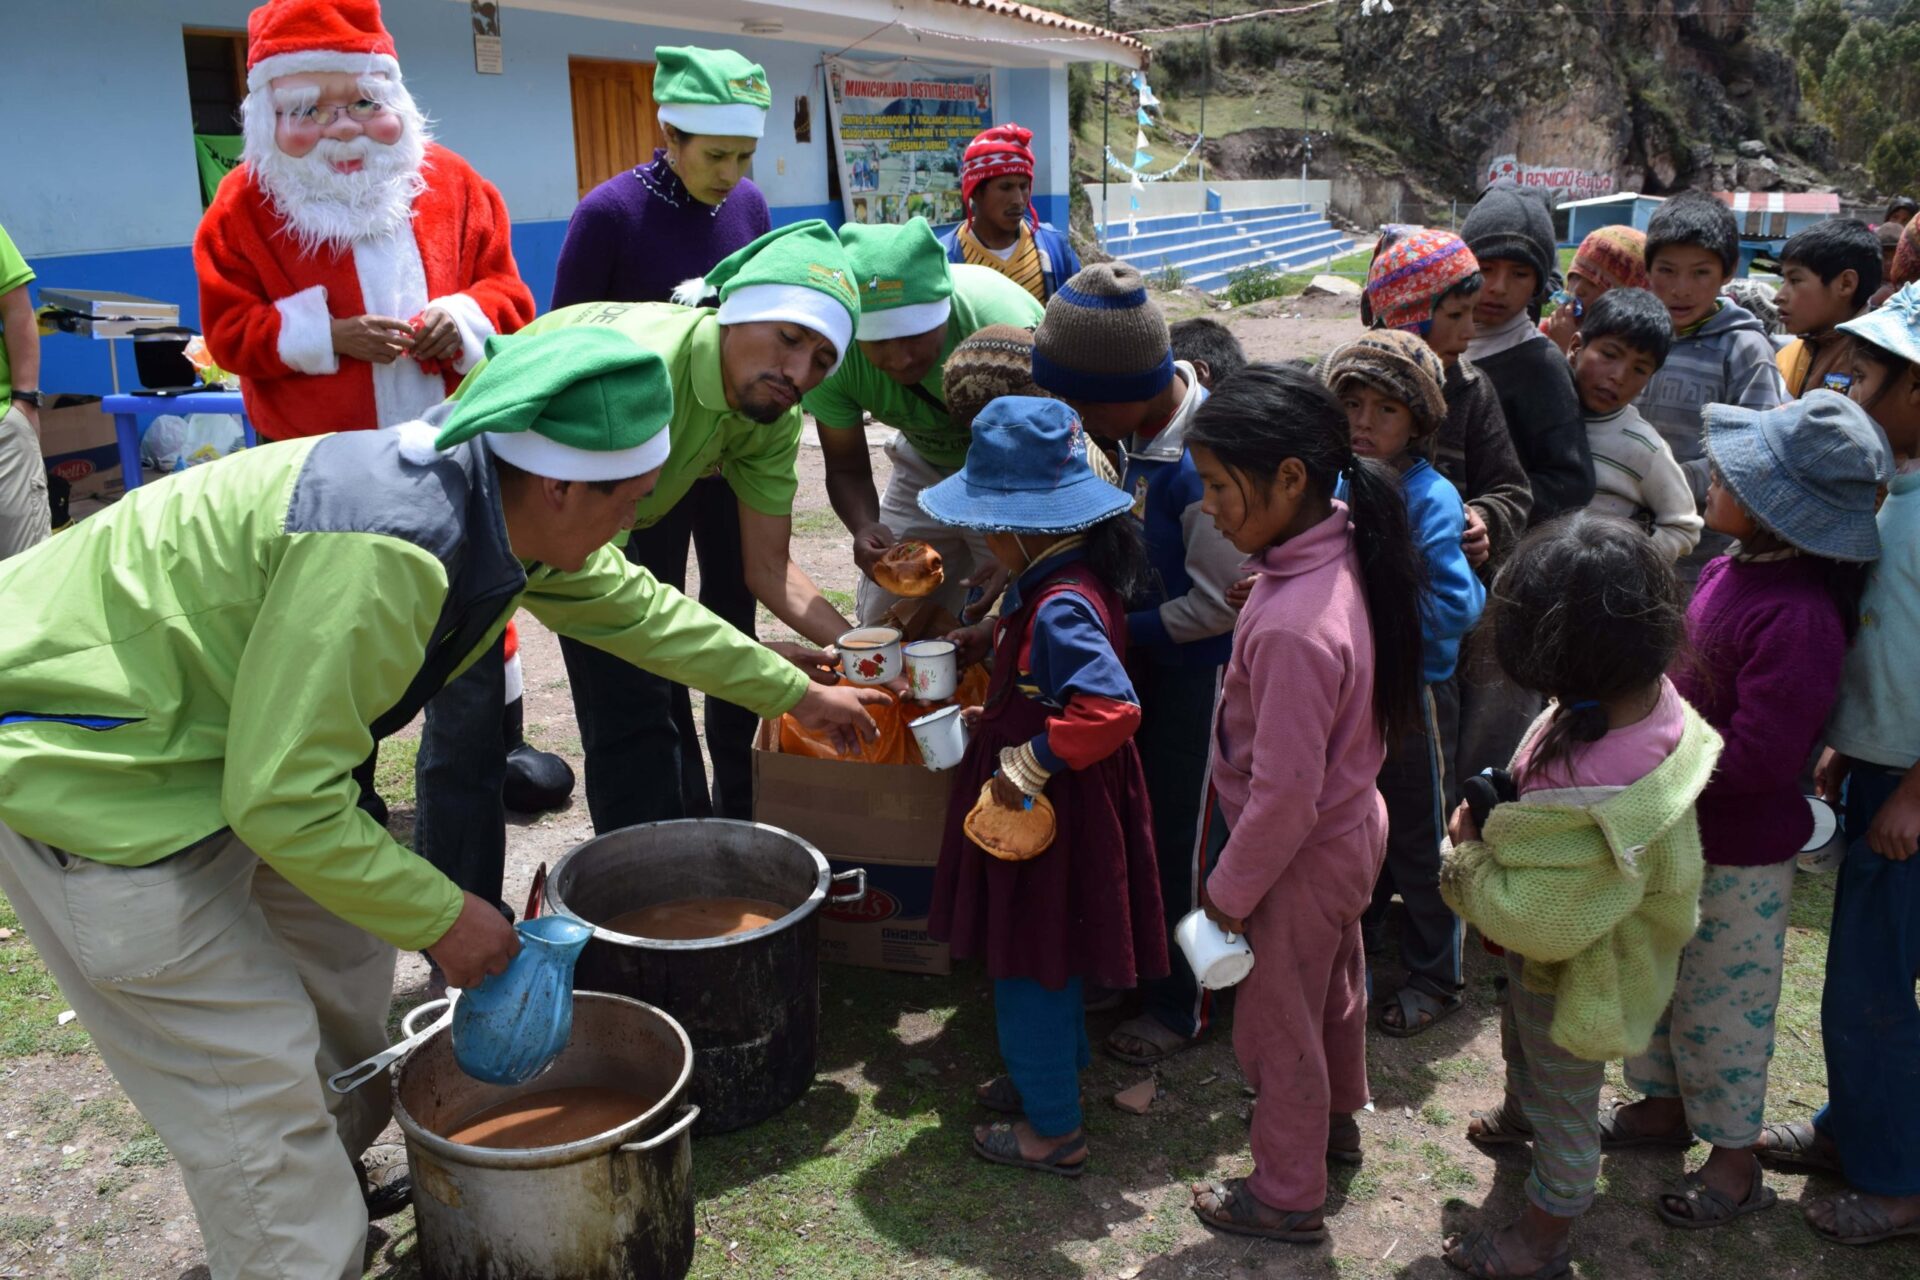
x=910, y=569
x=1013, y=835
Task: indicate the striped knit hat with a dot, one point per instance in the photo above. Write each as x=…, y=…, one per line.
x=1406, y=282
x=1613, y=258
x=1398, y=364
x=997, y=361
x=1103, y=341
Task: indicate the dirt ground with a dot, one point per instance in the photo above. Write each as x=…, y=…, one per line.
x=868, y=1175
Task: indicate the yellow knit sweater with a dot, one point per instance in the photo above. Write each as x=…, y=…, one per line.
x=1599, y=899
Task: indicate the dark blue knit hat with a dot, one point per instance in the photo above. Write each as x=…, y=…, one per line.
x=1103, y=341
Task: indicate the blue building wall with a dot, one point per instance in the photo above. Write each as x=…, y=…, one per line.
x=105, y=193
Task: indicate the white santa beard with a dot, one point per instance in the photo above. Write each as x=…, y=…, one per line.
x=318, y=204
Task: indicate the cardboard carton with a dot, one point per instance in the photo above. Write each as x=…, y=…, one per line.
x=886, y=818
x=77, y=443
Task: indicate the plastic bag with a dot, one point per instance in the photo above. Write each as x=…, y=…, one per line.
x=172, y=443
x=895, y=745
x=202, y=361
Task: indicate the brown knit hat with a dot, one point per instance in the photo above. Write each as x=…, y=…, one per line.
x=1103, y=341
x=997, y=361
x=1396, y=362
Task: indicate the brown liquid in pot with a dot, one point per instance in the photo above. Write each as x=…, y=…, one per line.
x=550, y=1117
x=686, y=919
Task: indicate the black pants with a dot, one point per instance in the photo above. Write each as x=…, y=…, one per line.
x=636, y=729
x=1176, y=725
x=1417, y=783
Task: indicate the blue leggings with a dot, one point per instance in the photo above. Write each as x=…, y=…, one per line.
x=1868, y=1016
x=1043, y=1041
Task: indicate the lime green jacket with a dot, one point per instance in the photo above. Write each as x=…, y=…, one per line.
x=1599, y=898
x=220, y=649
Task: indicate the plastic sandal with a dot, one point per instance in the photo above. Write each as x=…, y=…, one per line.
x=1235, y=1209
x=1482, y=1257
x=1002, y=1147
x=1504, y=1126
x=1420, y=1012
x=1858, y=1220
x=1795, y=1145
x=1613, y=1138
x=1707, y=1207
x=1000, y=1094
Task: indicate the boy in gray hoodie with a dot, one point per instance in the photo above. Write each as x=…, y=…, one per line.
x=1720, y=352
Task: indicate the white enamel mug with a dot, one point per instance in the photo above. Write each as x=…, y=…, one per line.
x=942, y=737
x=870, y=655
x=933, y=670
x=1826, y=846
x=1219, y=959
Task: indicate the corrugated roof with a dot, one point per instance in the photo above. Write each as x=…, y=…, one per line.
x=1047, y=18
x=1824, y=202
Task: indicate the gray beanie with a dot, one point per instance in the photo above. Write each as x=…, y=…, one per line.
x=1103, y=341
x=1514, y=225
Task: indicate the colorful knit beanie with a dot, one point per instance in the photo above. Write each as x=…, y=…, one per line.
x=996, y=152
x=1400, y=365
x=1513, y=225
x=1103, y=341
x=997, y=361
x=1407, y=281
x=1613, y=258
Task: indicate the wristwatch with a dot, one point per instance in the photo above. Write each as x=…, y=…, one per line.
x=32, y=398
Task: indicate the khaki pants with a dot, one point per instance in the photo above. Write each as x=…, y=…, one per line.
x=220, y=997
x=25, y=518
x=963, y=552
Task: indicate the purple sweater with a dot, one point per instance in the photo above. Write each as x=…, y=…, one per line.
x=1768, y=646
x=640, y=233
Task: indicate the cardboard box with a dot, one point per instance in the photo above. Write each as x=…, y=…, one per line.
x=77, y=444
x=886, y=818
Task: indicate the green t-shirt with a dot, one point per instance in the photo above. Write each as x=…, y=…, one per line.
x=760, y=463
x=981, y=297
x=14, y=272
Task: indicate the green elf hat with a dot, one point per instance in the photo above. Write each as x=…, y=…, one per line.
x=711, y=91
x=906, y=287
x=798, y=273
x=570, y=404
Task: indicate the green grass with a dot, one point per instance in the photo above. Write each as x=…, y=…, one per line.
x=24, y=1228
x=393, y=775
x=30, y=1002
x=818, y=522
x=841, y=600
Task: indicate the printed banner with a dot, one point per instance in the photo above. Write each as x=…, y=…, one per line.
x=900, y=129
x=219, y=155
x=1561, y=181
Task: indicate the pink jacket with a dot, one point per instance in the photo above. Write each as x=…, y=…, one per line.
x=1295, y=748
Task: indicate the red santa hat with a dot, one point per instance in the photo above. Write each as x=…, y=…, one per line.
x=287, y=37
x=994, y=153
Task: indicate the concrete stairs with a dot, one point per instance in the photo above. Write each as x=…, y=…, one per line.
x=1207, y=248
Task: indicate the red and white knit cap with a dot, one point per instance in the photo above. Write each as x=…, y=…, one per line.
x=995, y=153
x=287, y=37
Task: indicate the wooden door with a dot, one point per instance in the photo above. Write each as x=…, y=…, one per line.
x=613, y=122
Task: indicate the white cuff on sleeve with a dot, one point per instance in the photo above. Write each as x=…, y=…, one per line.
x=306, y=332
x=475, y=328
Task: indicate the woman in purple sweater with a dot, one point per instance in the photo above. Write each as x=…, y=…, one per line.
x=1769, y=624
x=632, y=239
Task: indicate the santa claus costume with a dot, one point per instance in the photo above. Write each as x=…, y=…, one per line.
x=354, y=227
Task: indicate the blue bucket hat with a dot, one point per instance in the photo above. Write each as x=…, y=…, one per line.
x=1894, y=326
x=1808, y=471
x=1026, y=472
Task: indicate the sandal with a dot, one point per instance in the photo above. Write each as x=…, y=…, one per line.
x=1237, y=1210
x=1002, y=1147
x=1504, y=1126
x=1484, y=1259
x=1614, y=1138
x=1161, y=1041
x=1796, y=1145
x=1343, y=1141
x=1002, y=1095
x=1707, y=1207
x=1420, y=1011
x=1858, y=1220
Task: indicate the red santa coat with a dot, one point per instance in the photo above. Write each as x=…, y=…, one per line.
x=266, y=307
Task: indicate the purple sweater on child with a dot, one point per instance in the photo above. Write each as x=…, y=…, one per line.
x=1768, y=646
x=640, y=233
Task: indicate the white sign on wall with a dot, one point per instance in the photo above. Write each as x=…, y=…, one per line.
x=1559, y=181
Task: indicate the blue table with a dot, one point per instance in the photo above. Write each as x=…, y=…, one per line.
x=127, y=410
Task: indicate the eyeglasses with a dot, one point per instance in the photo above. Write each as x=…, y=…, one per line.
x=318, y=117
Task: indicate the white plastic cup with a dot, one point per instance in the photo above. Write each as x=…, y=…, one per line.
x=1218, y=958
x=942, y=737
x=870, y=655
x=1826, y=846
x=933, y=670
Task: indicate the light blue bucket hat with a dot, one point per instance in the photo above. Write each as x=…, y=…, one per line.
x=1026, y=472
x=1808, y=471
x=1893, y=326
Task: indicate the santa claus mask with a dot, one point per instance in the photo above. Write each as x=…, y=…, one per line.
x=339, y=154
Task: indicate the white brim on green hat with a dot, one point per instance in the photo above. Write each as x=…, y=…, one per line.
x=795, y=304
x=543, y=456
x=903, y=322
x=723, y=119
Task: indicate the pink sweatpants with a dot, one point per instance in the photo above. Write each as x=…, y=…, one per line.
x=1300, y=1033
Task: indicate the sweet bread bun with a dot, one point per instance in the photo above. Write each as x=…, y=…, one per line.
x=1013, y=835
x=910, y=569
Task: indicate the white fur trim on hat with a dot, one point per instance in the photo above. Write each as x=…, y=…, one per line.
x=903, y=322
x=796, y=304
x=542, y=456
x=416, y=441
x=693, y=293
x=723, y=120
x=293, y=64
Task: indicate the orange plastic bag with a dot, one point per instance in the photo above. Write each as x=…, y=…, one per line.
x=895, y=745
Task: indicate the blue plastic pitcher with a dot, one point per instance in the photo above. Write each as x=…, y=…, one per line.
x=512, y=1026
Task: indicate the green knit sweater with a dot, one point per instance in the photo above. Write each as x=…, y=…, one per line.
x=1599, y=899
